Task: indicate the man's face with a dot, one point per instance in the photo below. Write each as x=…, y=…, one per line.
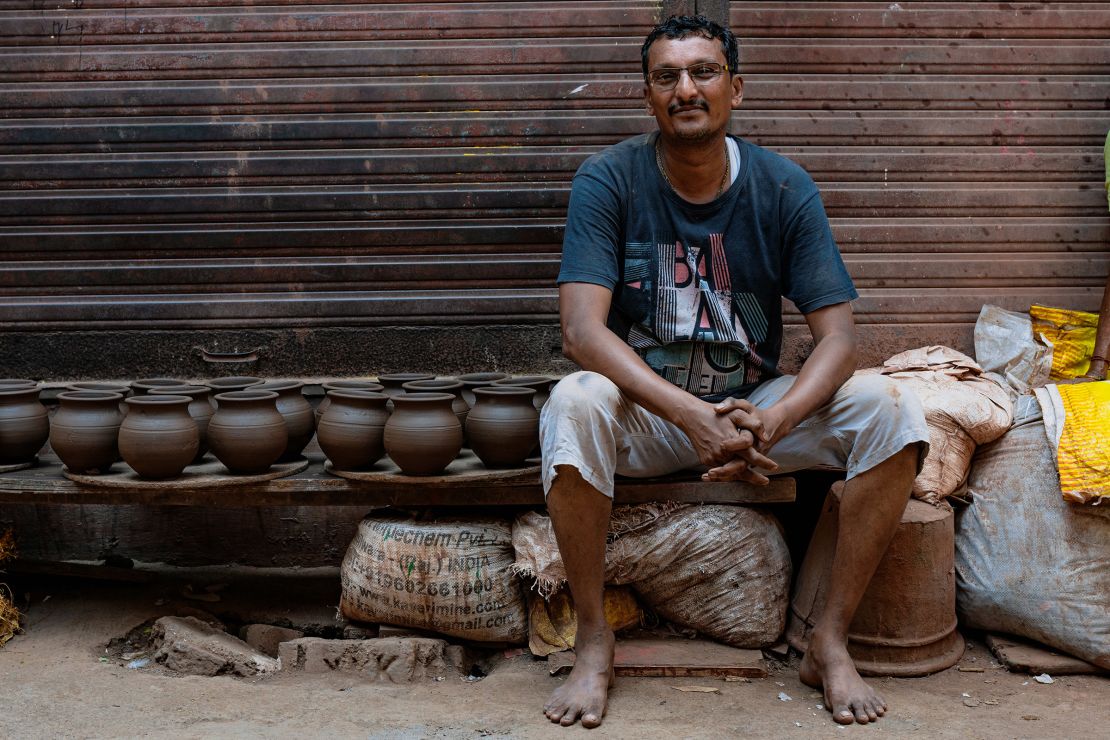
x=691, y=111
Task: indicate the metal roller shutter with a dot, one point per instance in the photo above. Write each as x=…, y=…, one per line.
x=355, y=188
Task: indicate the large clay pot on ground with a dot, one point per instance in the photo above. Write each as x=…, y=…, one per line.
x=423, y=434
x=200, y=409
x=247, y=434
x=158, y=438
x=146, y=385
x=84, y=432
x=24, y=426
x=352, y=429
x=344, y=385
x=447, y=385
x=300, y=422
x=232, y=383
x=504, y=426
x=540, y=383
x=471, y=381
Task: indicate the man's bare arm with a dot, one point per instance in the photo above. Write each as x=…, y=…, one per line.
x=583, y=308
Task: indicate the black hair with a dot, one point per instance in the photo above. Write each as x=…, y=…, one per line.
x=684, y=26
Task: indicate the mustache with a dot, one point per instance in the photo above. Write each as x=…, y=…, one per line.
x=698, y=103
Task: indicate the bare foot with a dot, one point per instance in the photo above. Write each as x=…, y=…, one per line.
x=585, y=695
x=828, y=666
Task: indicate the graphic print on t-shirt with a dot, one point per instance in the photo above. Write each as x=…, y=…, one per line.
x=702, y=334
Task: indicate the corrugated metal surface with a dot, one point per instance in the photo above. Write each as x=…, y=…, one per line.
x=224, y=165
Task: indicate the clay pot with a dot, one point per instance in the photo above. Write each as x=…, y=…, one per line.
x=341, y=385
x=447, y=385
x=423, y=435
x=232, y=383
x=300, y=422
x=471, y=381
x=146, y=385
x=540, y=383
x=84, y=432
x=158, y=438
x=17, y=383
x=504, y=426
x=24, y=427
x=352, y=429
x=393, y=382
x=247, y=433
x=121, y=388
x=200, y=409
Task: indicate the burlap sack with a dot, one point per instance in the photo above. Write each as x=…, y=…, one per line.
x=722, y=570
x=448, y=575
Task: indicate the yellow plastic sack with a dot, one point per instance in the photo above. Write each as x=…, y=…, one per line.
x=1077, y=422
x=1072, y=334
x=553, y=624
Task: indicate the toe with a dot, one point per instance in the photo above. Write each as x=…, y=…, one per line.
x=861, y=715
x=843, y=715
x=590, y=719
x=569, y=719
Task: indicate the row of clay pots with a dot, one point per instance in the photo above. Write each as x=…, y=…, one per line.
x=425, y=431
x=89, y=439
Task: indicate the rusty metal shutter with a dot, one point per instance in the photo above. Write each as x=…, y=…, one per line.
x=353, y=187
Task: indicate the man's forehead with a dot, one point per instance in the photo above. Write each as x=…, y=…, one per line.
x=665, y=52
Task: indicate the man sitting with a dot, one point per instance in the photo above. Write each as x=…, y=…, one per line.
x=679, y=247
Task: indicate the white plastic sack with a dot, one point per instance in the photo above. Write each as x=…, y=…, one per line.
x=1027, y=562
x=1005, y=344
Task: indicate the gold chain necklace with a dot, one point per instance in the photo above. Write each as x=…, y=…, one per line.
x=663, y=170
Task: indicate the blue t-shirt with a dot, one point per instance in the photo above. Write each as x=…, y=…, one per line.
x=697, y=289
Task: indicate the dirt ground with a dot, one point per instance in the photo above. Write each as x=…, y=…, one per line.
x=56, y=680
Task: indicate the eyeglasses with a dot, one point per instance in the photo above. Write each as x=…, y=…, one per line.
x=666, y=78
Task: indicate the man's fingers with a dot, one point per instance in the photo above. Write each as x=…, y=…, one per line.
x=747, y=420
x=749, y=454
x=734, y=404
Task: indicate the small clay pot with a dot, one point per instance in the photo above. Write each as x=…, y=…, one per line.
x=471, y=381
x=146, y=385
x=247, y=433
x=423, y=434
x=393, y=382
x=447, y=385
x=504, y=426
x=121, y=388
x=200, y=409
x=352, y=430
x=24, y=427
x=300, y=422
x=232, y=383
x=158, y=438
x=340, y=385
x=84, y=432
x=540, y=383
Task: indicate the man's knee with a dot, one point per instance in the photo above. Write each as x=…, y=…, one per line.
x=881, y=397
x=580, y=393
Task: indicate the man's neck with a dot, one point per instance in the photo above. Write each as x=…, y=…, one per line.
x=696, y=170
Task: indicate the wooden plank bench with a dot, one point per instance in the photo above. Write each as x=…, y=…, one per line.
x=45, y=484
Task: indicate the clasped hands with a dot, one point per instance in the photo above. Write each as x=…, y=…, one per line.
x=736, y=439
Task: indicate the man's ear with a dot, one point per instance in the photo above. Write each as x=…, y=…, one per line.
x=737, y=90
x=647, y=99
